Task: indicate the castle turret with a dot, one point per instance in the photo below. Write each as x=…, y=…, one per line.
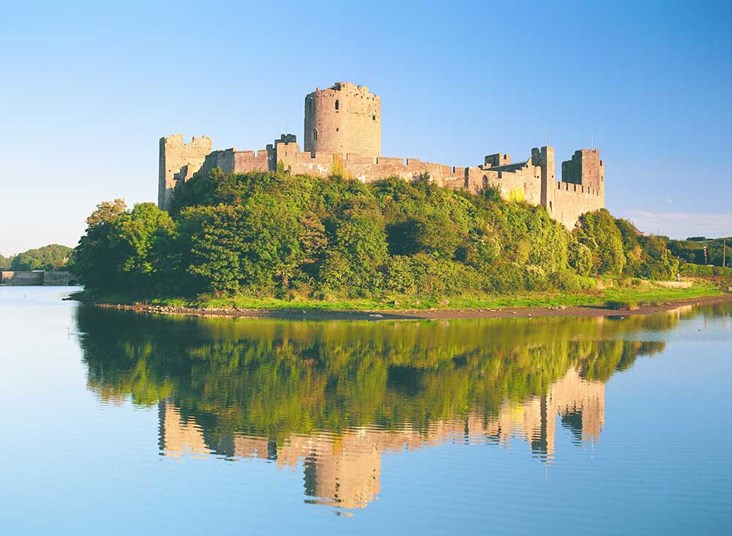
x=585, y=168
x=178, y=161
x=345, y=118
x=544, y=158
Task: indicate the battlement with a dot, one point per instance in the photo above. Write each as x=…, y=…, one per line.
x=579, y=188
x=177, y=140
x=349, y=87
x=496, y=160
x=287, y=138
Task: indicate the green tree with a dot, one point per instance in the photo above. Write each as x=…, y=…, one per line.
x=96, y=259
x=580, y=258
x=5, y=262
x=137, y=236
x=254, y=247
x=657, y=260
x=215, y=235
x=272, y=234
x=51, y=257
x=121, y=249
x=599, y=232
x=357, y=242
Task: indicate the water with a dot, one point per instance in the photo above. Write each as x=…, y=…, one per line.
x=117, y=423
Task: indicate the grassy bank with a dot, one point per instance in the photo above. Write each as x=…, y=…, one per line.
x=613, y=295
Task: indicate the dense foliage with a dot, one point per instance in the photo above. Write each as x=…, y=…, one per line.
x=269, y=234
x=5, y=262
x=691, y=250
x=51, y=257
x=706, y=271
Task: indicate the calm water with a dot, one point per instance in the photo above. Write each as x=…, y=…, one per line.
x=117, y=423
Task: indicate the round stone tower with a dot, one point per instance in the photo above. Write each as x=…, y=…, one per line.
x=345, y=118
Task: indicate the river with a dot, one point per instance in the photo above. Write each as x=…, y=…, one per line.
x=117, y=422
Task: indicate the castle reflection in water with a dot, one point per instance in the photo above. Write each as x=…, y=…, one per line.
x=333, y=397
x=345, y=469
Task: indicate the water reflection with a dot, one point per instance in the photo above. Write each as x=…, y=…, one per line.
x=338, y=395
x=345, y=469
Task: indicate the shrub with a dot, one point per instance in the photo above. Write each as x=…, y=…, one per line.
x=565, y=280
x=535, y=278
x=702, y=270
x=622, y=305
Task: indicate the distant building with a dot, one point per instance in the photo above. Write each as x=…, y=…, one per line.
x=37, y=278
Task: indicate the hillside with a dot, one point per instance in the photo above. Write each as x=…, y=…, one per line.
x=277, y=236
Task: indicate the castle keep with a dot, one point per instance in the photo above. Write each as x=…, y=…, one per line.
x=343, y=132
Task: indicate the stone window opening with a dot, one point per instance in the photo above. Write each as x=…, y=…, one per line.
x=315, y=134
x=337, y=105
x=373, y=117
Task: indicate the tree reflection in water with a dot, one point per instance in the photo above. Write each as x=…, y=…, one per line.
x=336, y=395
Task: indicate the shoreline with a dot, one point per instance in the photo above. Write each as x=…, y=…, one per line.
x=418, y=314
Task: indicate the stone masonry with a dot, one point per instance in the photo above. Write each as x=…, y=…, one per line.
x=343, y=134
x=343, y=119
x=179, y=161
x=46, y=278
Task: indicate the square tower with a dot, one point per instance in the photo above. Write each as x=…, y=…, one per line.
x=585, y=168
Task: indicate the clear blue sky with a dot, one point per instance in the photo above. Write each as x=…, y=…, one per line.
x=88, y=88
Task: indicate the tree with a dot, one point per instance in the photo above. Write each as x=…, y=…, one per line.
x=357, y=241
x=118, y=250
x=95, y=259
x=580, y=258
x=275, y=235
x=5, y=262
x=137, y=236
x=657, y=260
x=215, y=235
x=254, y=247
x=599, y=232
x=51, y=257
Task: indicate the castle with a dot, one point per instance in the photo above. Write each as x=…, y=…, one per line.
x=343, y=135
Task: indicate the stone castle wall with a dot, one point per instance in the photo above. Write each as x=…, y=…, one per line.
x=569, y=201
x=233, y=161
x=179, y=161
x=343, y=136
x=585, y=167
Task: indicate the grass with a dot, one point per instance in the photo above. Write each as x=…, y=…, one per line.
x=615, y=295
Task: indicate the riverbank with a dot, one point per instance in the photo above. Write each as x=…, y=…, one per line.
x=612, y=302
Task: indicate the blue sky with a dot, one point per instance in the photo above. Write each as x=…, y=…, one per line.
x=87, y=89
